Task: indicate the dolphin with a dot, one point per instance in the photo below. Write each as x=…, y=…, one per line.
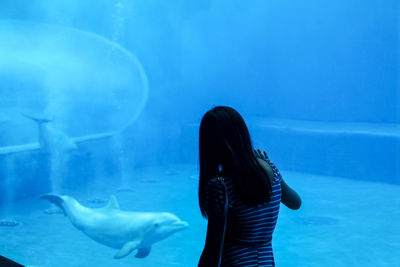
x=58, y=145
x=122, y=230
x=52, y=140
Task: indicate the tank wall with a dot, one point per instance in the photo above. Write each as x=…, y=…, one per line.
x=289, y=60
x=292, y=59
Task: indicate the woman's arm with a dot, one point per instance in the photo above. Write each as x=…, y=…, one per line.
x=290, y=198
x=215, y=204
x=209, y=257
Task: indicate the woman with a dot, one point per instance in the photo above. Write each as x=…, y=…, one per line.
x=255, y=189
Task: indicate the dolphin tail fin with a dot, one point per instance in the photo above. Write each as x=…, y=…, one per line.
x=36, y=119
x=55, y=199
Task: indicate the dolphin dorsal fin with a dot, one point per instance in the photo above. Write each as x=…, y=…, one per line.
x=112, y=203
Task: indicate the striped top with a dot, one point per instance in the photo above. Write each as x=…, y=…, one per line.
x=249, y=228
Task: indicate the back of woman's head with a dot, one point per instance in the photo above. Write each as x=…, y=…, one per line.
x=226, y=150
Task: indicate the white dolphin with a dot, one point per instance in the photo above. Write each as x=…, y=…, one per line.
x=122, y=230
x=58, y=145
x=52, y=140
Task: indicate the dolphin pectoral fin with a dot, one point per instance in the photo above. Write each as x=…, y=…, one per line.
x=112, y=203
x=143, y=252
x=6, y=150
x=126, y=249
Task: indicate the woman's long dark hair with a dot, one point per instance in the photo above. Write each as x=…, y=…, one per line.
x=226, y=150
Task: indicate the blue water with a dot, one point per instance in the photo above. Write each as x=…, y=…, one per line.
x=327, y=230
x=124, y=85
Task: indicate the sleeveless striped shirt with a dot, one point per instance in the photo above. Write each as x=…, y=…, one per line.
x=249, y=228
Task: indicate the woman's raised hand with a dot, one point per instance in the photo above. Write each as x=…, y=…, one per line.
x=262, y=155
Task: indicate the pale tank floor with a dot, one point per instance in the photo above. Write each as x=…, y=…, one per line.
x=342, y=223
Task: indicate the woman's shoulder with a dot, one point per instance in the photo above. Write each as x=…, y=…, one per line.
x=217, y=182
x=271, y=169
x=219, y=185
x=216, y=190
x=268, y=168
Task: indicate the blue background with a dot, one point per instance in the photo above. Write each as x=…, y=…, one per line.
x=317, y=82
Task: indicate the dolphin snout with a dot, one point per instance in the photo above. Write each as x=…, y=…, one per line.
x=181, y=224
